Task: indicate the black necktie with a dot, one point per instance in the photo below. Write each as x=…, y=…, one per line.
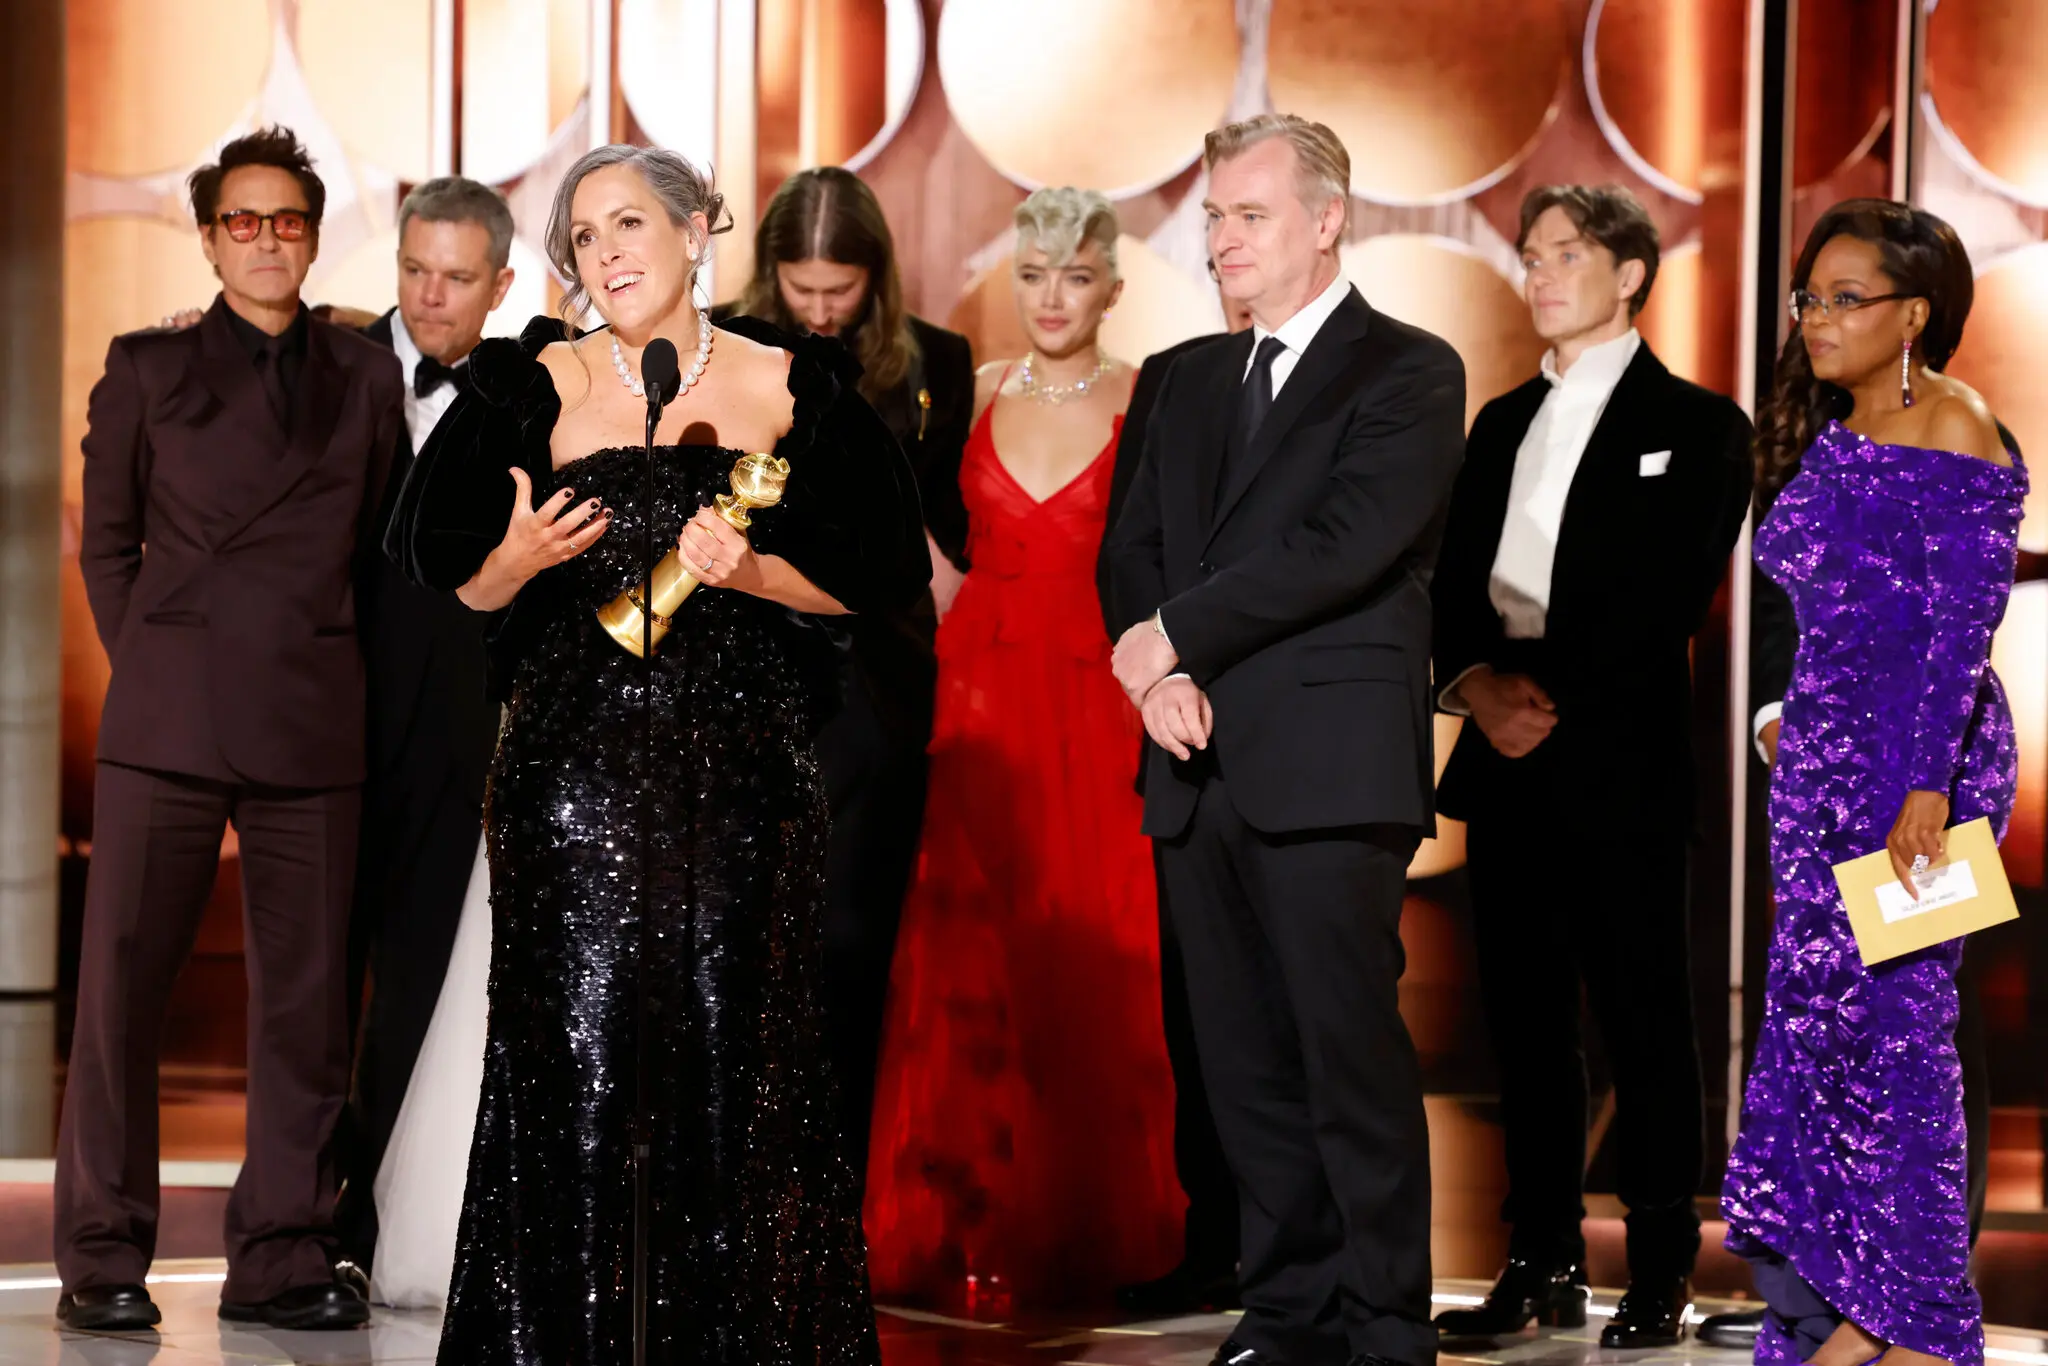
x=270, y=367
x=430, y=375
x=1257, y=399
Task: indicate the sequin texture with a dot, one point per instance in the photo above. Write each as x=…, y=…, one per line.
x=756, y=1249
x=1850, y=1167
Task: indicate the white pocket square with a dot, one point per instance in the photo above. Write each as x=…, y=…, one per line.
x=1655, y=463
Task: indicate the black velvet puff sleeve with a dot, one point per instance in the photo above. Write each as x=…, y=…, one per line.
x=849, y=519
x=456, y=501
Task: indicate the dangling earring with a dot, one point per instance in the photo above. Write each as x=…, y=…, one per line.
x=1906, y=373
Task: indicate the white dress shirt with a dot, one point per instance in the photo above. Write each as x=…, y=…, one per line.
x=1298, y=331
x=1545, y=464
x=421, y=414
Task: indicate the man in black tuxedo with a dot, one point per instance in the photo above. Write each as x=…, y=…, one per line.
x=1591, y=526
x=1206, y=1277
x=1269, y=574
x=432, y=727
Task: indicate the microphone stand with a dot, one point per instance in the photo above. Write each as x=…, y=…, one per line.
x=660, y=380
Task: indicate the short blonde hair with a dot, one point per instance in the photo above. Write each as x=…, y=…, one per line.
x=1325, y=165
x=1059, y=220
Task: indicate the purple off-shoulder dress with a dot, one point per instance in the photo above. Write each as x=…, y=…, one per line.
x=1845, y=1189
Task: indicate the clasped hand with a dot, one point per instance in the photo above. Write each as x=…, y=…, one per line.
x=1917, y=834
x=718, y=554
x=1175, y=711
x=1511, y=711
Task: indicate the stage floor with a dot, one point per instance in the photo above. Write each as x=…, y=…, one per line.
x=188, y=1292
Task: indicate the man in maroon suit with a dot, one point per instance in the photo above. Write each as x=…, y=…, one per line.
x=233, y=474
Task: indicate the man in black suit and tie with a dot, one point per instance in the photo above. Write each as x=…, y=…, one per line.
x=432, y=727
x=1591, y=525
x=1270, y=574
x=1206, y=1277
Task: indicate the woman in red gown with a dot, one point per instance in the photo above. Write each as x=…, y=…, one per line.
x=1023, y=1127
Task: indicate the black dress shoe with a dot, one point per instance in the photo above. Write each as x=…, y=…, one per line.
x=108, y=1309
x=1235, y=1353
x=1651, y=1314
x=354, y=1277
x=1739, y=1330
x=328, y=1305
x=1551, y=1296
x=1187, y=1289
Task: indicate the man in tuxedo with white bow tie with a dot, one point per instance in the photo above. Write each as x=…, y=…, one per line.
x=1591, y=526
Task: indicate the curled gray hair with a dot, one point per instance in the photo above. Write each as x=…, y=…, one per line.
x=457, y=199
x=1059, y=220
x=682, y=189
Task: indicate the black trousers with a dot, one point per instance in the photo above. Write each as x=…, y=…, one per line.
x=420, y=828
x=874, y=788
x=1293, y=958
x=155, y=851
x=1557, y=905
x=1209, y=1233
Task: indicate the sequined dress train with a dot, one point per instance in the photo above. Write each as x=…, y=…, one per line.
x=757, y=1257
x=1846, y=1187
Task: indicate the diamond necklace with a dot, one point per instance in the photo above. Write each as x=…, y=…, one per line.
x=1030, y=387
x=690, y=376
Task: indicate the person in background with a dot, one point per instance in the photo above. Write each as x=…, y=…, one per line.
x=1894, y=528
x=432, y=730
x=233, y=476
x=1023, y=1117
x=825, y=263
x=1206, y=1275
x=1590, y=529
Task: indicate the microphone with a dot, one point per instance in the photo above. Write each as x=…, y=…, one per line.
x=661, y=375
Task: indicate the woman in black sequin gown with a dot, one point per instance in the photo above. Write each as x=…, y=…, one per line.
x=756, y=1255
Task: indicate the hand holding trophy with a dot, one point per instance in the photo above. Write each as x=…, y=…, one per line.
x=757, y=482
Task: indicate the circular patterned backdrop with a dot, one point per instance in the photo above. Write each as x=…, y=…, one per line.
x=1432, y=100
x=1113, y=95
x=1997, y=111
x=163, y=80
x=1435, y=283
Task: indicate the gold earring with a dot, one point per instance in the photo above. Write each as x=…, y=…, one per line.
x=1906, y=373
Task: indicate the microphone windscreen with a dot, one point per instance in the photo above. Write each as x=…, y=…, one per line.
x=661, y=374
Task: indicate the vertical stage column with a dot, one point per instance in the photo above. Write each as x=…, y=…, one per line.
x=31, y=467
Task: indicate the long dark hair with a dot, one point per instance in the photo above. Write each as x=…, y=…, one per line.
x=828, y=214
x=1925, y=259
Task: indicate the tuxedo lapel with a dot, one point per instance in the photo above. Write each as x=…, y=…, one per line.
x=1328, y=356
x=1492, y=467
x=1218, y=397
x=323, y=388
x=1607, y=469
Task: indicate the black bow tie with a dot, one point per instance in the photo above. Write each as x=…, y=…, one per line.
x=430, y=375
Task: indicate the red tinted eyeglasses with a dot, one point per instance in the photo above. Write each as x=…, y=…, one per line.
x=244, y=224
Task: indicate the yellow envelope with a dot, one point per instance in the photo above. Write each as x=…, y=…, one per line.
x=1964, y=891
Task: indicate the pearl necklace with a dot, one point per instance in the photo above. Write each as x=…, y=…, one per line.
x=1056, y=394
x=690, y=376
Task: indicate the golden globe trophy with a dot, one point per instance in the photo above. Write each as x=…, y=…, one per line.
x=757, y=481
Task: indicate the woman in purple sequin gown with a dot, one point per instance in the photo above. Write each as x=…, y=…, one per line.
x=1895, y=534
